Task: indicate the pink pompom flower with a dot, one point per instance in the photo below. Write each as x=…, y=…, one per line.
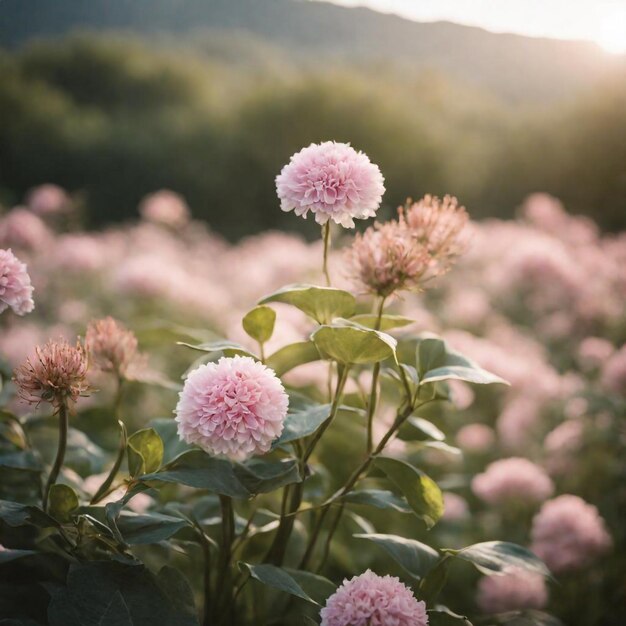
x=476, y=438
x=372, y=600
x=513, y=479
x=569, y=534
x=515, y=589
x=165, y=207
x=333, y=181
x=16, y=290
x=234, y=408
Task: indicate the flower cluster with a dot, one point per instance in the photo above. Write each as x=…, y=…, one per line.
x=333, y=181
x=372, y=600
x=513, y=590
x=56, y=374
x=569, y=534
x=407, y=253
x=165, y=207
x=16, y=290
x=510, y=479
x=235, y=407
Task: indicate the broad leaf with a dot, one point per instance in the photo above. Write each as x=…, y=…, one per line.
x=323, y=304
x=436, y=361
x=302, y=422
x=7, y=555
x=148, y=528
x=63, y=502
x=145, y=452
x=291, y=356
x=493, y=557
x=259, y=323
x=15, y=514
x=387, y=321
x=173, y=445
x=219, y=348
x=261, y=476
x=315, y=586
x=421, y=492
x=379, y=498
x=421, y=429
x=415, y=557
x=441, y=616
x=349, y=343
x=277, y=578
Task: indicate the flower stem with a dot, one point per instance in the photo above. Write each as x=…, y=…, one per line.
x=105, y=486
x=371, y=406
x=228, y=536
x=58, y=462
x=326, y=237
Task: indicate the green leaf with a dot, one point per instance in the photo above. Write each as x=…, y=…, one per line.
x=145, y=452
x=7, y=555
x=302, y=422
x=415, y=557
x=261, y=476
x=379, y=498
x=63, y=501
x=349, y=343
x=291, y=356
x=421, y=492
x=493, y=557
x=259, y=323
x=441, y=616
x=15, y=514
x=314, y=585
x=197, y=469
x=223, y=347
x=277, y=578
x=176, y=588
x=387, y=321
x=323, y=304
x=432, y=584
x=436, y=361
x=426, y=429
x=148, y=528
x=173, y=445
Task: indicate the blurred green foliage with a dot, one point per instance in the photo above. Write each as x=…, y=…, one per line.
x=113, y=118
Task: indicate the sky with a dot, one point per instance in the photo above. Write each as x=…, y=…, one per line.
x=601, y=21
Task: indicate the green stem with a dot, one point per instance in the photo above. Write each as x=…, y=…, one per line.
x=206, y=551
x=276, y=553
x=58, y=462
x=371, y=406
x=105, y=486
x=326, y=237
x=228, y=535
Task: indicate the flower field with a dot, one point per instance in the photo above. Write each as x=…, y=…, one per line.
x=422, y=423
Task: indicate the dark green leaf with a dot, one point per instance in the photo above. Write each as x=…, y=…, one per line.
x=259, y=323
x=15, y=514
x=197, y=469
x=442, y=616
x=415, y=557
x=495, y=556
x=432, y=584
x=173, y=445
x=148, y=528
x=303, y=422
x=380, y=498
x=277, y=578
x=260, y=476
x=323, y=304
x=427, y=429
x=349, y=343
x=387, y=322
x=314, y=585
x=7, y=555
x=63, y=502
x=177, y=589
x=291, y=356
x=421, y=492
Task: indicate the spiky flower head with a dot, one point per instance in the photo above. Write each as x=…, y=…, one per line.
x=56, y=374
x=333, y=181
x=112, y=348
x=372, y=600
x=16, y=290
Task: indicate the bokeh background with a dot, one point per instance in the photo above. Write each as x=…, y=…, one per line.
x=115, y=99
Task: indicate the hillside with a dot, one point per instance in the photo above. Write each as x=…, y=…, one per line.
x=514, y=67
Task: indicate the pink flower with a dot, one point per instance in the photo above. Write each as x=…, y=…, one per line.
x=515, y=589
x=56, y=374
x=372, y=600
x=512, y=479
x=332, y=180
x=47, y=200
x=165, y=207
x=613, y=375
x=569, y=534
x=235, y=408
x=455, y=507
x=475, y=438
x=592, y=351
x=16, y=290
x=22, y=229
